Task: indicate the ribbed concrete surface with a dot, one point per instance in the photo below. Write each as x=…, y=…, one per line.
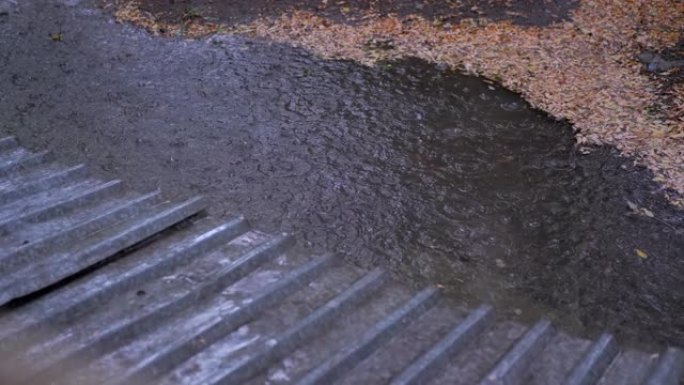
x=103, y=285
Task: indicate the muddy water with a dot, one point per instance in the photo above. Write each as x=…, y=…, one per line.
x=441, y=177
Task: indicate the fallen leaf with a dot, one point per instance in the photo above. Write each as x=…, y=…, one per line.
x=641, y=254
x=632, y=206
x=647, y=212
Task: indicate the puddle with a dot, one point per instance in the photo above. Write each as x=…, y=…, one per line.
x=440, y=177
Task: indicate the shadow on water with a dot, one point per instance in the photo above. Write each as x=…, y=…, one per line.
x=442, y=177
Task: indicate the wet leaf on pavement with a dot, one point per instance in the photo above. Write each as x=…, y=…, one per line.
x=641, y=254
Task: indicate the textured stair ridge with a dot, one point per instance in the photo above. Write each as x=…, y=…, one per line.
x=72, y=234
x=83, y=249
x=113, y=336
x=668, y=369
x=45, y=273
x=344, y=360
x=49, y=181
x=186, y=346
x=24, y=163
x=512, y=366
x=455, y=341
x=311, y=325
x=111, y=282
x=80, y=197
x=595, y=362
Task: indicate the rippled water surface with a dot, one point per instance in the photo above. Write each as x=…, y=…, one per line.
x=441, y=177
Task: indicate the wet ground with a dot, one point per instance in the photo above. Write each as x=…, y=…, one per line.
x=438, y=176
x=231, y=12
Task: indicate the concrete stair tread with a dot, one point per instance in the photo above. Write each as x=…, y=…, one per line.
x=123, y=288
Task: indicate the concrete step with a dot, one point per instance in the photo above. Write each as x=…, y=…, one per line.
x=102, y=285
